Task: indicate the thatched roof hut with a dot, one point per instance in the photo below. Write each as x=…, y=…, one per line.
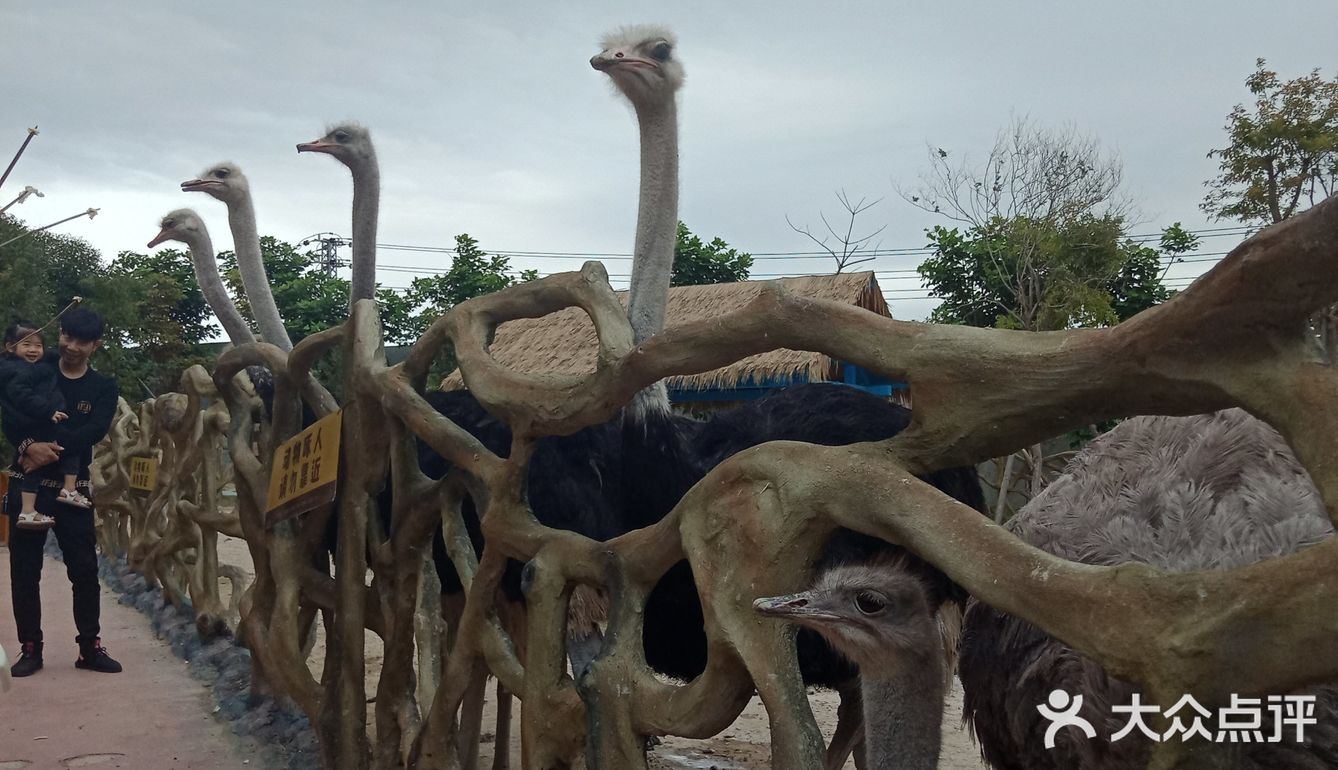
x=564, y=342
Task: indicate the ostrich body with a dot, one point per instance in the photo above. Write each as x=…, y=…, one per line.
x=351, y=144
x=879, y=615
x=185, y=226
x=1182, y=494
x=226, y=183
x=817, y=413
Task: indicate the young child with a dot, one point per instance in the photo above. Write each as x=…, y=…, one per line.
x=31, y=407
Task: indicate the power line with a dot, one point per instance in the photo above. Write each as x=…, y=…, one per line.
x=886, y=275
x=911, y=293
x=1210, y=256
x=1210, y=232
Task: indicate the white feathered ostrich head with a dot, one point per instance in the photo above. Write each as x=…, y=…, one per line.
x=182, y=225
x=224, y=181
x=865, y=611
x=350, y=143
x=642, y=63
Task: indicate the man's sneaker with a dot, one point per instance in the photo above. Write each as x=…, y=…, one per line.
x=72, y=497
x=34, y=520
x=93, y=656
x=30, y=662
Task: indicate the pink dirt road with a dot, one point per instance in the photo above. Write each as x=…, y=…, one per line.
x=152, y=716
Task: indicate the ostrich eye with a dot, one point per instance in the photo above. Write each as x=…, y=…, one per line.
x=221, y=173
x=341, y=136
x=870, y=603
x=661, y=51
x=168, y=223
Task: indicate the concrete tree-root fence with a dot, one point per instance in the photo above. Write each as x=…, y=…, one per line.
x=1239, y=336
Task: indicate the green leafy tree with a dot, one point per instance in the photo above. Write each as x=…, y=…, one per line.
x=472, y=273
x=156, y=318
x=311, y=300
x=697, y=262
x=1023, y=274
x=1282, y=154
x=1040, y=239
x=41, y=272
x=155, y=315
x=1039, y=244
x=308, y=298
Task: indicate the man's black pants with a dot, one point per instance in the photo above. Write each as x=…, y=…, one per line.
x=77, y=540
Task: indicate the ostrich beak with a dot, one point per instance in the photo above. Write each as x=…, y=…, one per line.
x=794, y=607
x=317, y=146
x=606, y=60
x=162, y=236
x=194, y=185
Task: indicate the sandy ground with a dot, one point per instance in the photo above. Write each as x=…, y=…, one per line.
x=745, y=745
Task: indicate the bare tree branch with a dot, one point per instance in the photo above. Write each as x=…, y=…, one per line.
x=849, y=245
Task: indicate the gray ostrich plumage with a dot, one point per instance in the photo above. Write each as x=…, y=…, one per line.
x=185, y=226
x=642, y=63
x=1181, y=494
x=351, y=145
x=878, y=615
x=227, y=183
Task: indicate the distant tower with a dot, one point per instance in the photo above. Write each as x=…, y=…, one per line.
x=329, y=244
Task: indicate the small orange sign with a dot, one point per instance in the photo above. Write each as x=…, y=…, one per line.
x=305, y=470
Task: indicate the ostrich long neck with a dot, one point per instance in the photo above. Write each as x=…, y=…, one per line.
x=903, y=714
x=657, y=220
x=366, y=202
x=656, y=235
x=211, y=285
x=246, y=240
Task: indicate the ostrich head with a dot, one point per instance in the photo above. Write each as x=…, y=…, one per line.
x=224, y=181
x=182, y=225
x=872, y=613
x=349, y=143
x=642, y=63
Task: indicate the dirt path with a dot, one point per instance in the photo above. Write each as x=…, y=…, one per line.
x=746, y=744
x=152, y=715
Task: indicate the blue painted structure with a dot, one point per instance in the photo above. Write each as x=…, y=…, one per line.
x=852, y=374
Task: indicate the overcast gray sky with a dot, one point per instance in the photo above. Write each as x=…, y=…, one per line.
x=489, y=120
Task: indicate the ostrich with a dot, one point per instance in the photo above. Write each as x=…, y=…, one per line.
x=612, y=478
x=640, y=62
x=1207, y=492
x=879, y=615
x=226, y=182
x=1182, y=494
x=185, y=226
x=351, y=144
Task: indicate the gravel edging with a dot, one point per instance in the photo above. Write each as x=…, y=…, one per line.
x=222, y=663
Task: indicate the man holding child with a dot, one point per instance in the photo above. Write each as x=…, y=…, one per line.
x=52, y=467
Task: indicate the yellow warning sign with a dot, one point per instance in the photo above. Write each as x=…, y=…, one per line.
x=305, y=469
x=143, y=474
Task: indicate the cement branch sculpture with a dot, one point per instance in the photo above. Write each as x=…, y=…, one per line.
x=1237, y=337
x=170, y=533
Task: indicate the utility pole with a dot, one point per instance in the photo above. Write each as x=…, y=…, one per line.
x=329, y=245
